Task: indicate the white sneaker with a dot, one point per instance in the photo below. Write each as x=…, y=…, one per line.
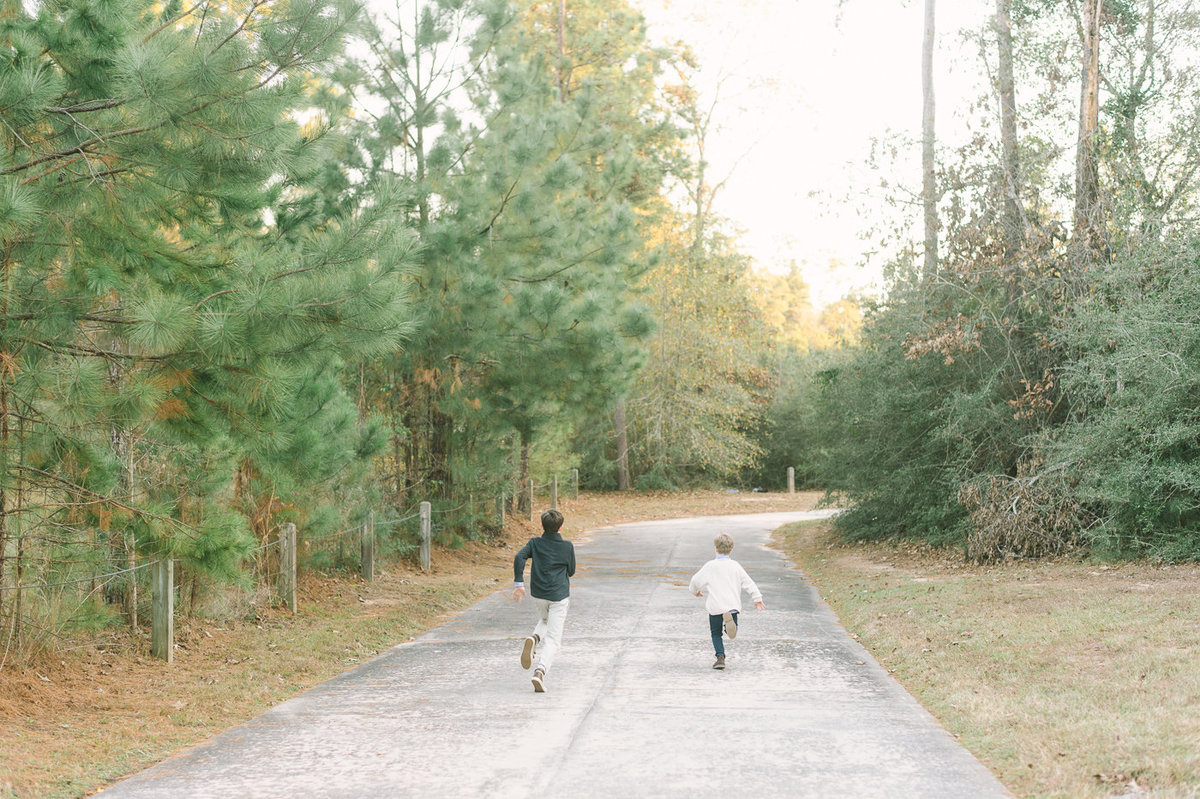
x=538, y=686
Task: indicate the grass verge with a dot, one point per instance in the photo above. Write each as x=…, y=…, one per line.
x=1067, y=678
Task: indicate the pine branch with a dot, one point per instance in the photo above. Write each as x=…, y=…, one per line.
x=79, y=148
x=98, y=499
x=88, y=106
x=96, y=176
x=79, y=349
x=115, y=320
x=176, y=19
x=558, y=271
x=214, y=295
x=503, y=203
x=241, y=27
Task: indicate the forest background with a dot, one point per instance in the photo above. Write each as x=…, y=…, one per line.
x=310, y=263
x=297, y=262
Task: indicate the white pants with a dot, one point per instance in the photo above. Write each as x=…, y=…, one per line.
x=549, y=629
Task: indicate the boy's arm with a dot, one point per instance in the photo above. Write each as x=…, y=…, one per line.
x=571, y=565
x=697, y=583
x=519, y=559
x=750, y=588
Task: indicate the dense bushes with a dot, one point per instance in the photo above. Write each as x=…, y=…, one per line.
x=1044, y=435
x=1134, y=441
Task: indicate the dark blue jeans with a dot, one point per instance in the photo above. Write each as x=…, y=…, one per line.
x=717, y=627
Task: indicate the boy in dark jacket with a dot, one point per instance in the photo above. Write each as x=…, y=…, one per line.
x=553, y=566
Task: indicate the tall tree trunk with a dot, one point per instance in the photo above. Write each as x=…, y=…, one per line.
x=122, y=439
x=622, y=446
x=928, y=179
x=399, y=461
x=439, y=452
x=5, y=443
x=699, y=196
x=1013, y=217
x=1087, y=175
x=525, y=501
x=408, y=475
x=4, y=472
x=419, y=122
x=131, y=592
x=17, y=511
x=561, y=75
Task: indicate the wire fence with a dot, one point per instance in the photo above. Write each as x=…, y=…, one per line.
x=401, y=520
x=327, y=536
x=106, y=576
x=276, y=570
x=275, y=560
x=92, y=579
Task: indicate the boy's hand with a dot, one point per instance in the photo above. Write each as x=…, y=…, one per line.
x=700, y=594
x=759, y=606
x=518, y=592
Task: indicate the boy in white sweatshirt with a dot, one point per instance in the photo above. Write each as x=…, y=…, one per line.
x=724, y=579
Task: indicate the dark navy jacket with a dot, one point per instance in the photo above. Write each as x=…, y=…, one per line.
x=553, y=563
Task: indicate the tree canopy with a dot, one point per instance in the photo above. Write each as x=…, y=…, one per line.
x=290, y=261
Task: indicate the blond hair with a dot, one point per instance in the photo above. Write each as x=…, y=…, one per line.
x=723, y=543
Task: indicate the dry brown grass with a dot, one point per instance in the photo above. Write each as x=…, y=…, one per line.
x=1067, y=678
x=76, y=721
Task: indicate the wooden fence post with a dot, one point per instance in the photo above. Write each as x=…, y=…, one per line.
x=574, y=484
x=368, y=548
x=287, y=566
x=426, y=534
x=554, y=493
x=530, y=500
x=162, y=614
x=791, y=479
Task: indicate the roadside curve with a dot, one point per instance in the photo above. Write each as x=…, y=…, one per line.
x=633, y=707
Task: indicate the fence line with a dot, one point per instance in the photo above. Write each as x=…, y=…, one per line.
x=76, y=582
x=398, y=521
x=284, y=575
x=328, y=536
x=104, y=577
x=259, y=548
x=268, y=544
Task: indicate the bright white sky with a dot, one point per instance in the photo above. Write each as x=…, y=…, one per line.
x=808, y=85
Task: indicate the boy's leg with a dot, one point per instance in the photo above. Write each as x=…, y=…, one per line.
x=716, y=627
x=731, y=624
x=551, y=632
x=543, y=609
x=528, y=646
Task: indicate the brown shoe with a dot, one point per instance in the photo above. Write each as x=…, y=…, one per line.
x=527, y=652
x=720, y=664
x=730, y=626
x=538, y=686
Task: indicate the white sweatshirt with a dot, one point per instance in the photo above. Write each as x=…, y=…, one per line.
x=722, y=580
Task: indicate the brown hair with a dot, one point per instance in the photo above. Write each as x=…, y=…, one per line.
x=723, y=543
x=552, y=520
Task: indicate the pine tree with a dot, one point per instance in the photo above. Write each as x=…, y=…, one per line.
x=529, y=242
x=691, y=409
x=162, y=331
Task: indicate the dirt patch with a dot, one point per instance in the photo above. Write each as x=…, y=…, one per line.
x=78, y=719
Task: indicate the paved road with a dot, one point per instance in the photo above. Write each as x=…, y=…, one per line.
x=632, y=707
